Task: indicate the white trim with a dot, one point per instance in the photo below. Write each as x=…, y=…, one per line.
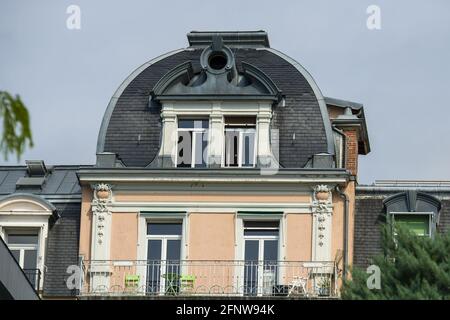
x=205, y=206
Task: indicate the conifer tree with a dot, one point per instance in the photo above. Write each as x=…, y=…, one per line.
x=412, y=267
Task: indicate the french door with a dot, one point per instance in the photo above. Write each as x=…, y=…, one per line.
x=163, y=257
x=261, y=257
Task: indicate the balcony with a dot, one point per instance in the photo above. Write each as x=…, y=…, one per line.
x=187, y=278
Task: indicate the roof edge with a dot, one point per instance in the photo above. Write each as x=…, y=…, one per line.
x=258, y=38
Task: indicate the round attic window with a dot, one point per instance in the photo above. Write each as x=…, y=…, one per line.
x=217, y=60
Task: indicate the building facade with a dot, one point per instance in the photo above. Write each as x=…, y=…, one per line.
x=221, y=170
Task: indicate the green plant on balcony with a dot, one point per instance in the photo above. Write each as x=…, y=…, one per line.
x=324, y=287
x=172, y=283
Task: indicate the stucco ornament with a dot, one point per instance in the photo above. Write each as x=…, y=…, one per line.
x=322, y=210
x=102, y=198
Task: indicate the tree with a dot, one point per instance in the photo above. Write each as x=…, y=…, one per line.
x=412, y=267
x=16, y=133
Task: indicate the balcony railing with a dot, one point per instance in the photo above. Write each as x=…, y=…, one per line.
x=209, y=278
x=34, y=276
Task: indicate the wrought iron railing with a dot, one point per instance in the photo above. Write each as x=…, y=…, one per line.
x=34, y=276
x=209, y=278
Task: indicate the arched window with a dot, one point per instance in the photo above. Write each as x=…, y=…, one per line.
x=415, y=210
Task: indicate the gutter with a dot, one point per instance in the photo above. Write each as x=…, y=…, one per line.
x=402, y=189
x=346, y=205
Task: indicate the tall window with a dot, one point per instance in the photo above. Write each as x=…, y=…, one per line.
x=240, y=146
x=192, y=143
x=261, y=255
x=24, y=245
x=163, y=257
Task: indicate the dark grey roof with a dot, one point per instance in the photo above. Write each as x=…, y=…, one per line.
x=61, y=180
x=343, y=103
x=61, y=191
x=304, y=114
x=230, y=38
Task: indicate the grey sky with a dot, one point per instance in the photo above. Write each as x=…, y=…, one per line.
x=400, y=73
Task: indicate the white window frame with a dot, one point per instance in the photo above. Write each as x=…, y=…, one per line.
x=23, y=212
x=241, y=132
x=149, y=217
x=204, y=131
x=240, y=240
x=23, y=247
x=164, y=239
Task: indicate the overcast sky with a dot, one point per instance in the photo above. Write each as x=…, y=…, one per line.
x=401, y=73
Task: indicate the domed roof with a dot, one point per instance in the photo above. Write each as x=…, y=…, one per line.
x=132, y=127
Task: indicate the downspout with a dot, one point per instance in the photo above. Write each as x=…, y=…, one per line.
x=346, y=201
x=346, y=206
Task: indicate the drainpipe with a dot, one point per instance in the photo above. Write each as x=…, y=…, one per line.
x=346, y=206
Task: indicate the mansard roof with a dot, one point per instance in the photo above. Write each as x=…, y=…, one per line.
x=131, y=127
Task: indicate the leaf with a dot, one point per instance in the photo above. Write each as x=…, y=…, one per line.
x=16, y=134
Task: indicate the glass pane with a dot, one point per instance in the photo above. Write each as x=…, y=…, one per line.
x=200, y=147
x=270, y=250
x=30, y=259
x=251, y=250
x=248, y=156
x=173, y=266
x=173, y=250
x=270, y=273
x=231, y=148
x=418, y=224
x=184, y=146
x=16, y=254
x=251, y=267
x=164, y=228
x=260, y=232
x=261, y=224
x=191, y=124
x=22, y=239
x=153, y=266
x=154, y=250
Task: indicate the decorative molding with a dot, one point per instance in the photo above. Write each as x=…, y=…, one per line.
x=322, y=209
x=100, y=210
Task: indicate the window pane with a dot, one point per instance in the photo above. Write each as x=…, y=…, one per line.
x=200, y=147
x=261, y=224
x=154, y=249
x=173, y=250
x=30, y=259
x=22, y=239
x=184, y=158
x=16, y=254
x=248, y=149
x=164, y=228
x=251, y=250
x=191, y=124
x=231, y=148
x=270, y=250
x=416, y=223
x=260, y=232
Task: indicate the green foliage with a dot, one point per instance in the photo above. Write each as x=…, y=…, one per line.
x=412, y=267
x=16, y=125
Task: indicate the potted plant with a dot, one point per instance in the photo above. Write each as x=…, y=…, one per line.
x=325, y=287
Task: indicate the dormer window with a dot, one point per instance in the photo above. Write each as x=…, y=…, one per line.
x=192, y=143
x=240, y=144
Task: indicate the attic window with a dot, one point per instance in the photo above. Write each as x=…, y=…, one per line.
x=217, y=60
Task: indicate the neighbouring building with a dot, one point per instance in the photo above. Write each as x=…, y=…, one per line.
x=221, y=170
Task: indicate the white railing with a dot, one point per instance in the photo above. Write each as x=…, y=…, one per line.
x=209, y=278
